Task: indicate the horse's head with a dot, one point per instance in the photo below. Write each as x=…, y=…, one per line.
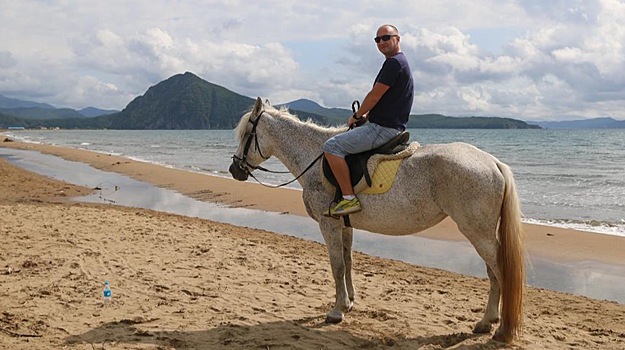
x=249, y=155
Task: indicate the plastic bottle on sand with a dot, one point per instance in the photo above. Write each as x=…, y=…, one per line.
x=107, y=293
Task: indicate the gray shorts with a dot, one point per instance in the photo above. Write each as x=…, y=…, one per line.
x=360, y=139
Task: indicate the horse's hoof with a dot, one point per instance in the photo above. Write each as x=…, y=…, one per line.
x=331, y=320
x=482, y=327
x=334, y=319
x=501, y=337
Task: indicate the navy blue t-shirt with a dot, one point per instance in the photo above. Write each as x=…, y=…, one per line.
x=393, y=109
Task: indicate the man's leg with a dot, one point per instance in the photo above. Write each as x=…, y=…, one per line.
x=357, y=140
x=341, y=173
x=349, y=204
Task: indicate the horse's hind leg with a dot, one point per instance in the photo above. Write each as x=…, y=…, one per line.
x=332, y=234
x=491, y=314
x=482, y=234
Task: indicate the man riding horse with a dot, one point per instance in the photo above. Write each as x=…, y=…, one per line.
x=386, y=108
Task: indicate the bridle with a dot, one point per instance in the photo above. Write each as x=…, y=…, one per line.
x=245, y=166
x=242, y=162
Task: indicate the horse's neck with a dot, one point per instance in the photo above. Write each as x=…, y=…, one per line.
x=297, y=145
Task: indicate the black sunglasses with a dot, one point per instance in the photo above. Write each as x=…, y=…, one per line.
x=386, y=37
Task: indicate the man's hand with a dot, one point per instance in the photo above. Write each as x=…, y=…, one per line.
x=353, y=121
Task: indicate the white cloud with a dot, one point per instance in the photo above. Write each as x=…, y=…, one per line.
x=528, y=58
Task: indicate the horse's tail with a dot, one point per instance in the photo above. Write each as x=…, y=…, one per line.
x=510, y=259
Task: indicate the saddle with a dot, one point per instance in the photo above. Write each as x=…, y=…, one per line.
x=358, y=162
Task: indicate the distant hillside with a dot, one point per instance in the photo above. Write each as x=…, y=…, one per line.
x=7, y=121
x=96, y=112
x=6, y=102
x=437, y=121
x=335, y=116
x=41, y=113
x=33, y=110
x=419, y=121
x=595, y=123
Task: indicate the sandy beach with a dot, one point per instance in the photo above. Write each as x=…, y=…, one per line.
x=188, y=283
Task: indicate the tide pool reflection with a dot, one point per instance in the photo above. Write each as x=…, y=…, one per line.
x=585, y=278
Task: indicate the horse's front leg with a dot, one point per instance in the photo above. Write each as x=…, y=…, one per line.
x=348, y=235
x=332, y=234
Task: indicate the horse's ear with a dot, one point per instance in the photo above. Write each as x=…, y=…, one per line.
x=258, y=107
x=267, y=102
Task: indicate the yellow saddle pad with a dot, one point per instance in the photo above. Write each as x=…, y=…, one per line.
x=383, y=168
x=383, y=177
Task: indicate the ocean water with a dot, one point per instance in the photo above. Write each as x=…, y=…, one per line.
x=565, y=178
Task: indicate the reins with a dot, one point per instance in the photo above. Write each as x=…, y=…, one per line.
x=282, y=172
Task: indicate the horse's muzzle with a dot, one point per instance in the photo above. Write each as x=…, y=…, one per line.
x=237, y=172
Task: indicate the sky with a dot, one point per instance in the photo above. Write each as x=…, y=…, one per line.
x=532, y=60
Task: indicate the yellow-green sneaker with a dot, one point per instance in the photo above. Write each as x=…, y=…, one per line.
x=346, y=206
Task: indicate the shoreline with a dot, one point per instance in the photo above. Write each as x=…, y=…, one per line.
x=592, y=207
x=547, y=242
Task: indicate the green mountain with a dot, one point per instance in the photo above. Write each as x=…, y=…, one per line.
x=184, y=101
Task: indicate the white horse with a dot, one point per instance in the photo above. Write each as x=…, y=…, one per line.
x=457, y=180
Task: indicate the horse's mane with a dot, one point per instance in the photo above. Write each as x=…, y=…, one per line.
x=284, y=114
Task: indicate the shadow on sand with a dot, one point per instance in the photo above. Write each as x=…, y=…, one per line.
x=304, y=333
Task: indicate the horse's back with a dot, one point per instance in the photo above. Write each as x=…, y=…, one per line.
x=459, y=177
x=453, y=160
x=435, y=181
x=456, y=152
